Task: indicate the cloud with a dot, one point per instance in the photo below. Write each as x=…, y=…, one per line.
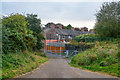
x=58, y=0
x=78, y=14
x=75, y=23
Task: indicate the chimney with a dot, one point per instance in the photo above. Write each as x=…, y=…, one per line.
x=60, y=26
x=52, y=26
x=91, y=30
x=82, y=29
x=44, y=34
x=72, y=28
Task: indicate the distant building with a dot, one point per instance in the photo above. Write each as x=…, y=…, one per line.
x=60, y=26
x=91, y=30
x=77, y=29
x=84, y=29
x=57, y=35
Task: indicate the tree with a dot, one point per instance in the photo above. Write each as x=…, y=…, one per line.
x=108, y=20
x=34, y=25
x=15, y=34
x=68, y=27
x=59, y=24
x=85, y=28
x=48, y=25
x=77, y=29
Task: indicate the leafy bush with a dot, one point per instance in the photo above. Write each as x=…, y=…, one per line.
x=17, y=36
x=103, y=57
x=92, y=38
x=34, y=25
x=81, y=46
x=109, y=61
x=83, y=59
x=108, y=20
x=100, y=55
x=103, y=63
x=19, y=63
x=43, y=54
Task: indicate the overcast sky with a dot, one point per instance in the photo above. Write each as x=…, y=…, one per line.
x=78, y=14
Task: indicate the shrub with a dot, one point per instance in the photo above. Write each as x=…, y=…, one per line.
x=107, y=21
x=83, y=59
x=16, y=35
x=43, y=54
x=111, y=60
x=102, y=56
x=92, y=38
x=19, y=63
x=92, y=58
x=103, y=63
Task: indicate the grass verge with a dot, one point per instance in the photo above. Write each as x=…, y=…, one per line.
x=102, y=58
x=15, y=64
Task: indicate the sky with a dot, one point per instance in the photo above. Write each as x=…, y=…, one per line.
x=78, y=13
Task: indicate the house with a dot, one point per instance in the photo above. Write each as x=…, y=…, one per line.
x=84, y=29
x=91, y=30
x=56, y=38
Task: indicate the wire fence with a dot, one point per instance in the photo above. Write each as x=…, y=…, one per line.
x=63, y=54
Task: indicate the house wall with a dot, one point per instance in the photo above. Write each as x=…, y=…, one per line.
x=66, y=38
x=51, y=34
x=51, y=37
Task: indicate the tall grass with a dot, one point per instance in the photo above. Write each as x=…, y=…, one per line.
x=19, y=63
x=101, y=57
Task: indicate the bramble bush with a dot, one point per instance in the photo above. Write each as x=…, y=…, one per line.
x=92, y=38
x=104, y=56
x=16, y=36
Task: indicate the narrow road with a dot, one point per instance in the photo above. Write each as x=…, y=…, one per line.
x=59, y=68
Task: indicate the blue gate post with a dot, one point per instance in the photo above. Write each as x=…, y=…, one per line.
x=66, y=53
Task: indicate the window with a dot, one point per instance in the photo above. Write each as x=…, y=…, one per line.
x=50, y=37
x=63, y=37
x=69, y=37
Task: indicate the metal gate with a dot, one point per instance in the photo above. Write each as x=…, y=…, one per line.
x=55, y=50
x=59, y=50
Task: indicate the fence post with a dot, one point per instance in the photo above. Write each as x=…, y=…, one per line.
x=66, y=53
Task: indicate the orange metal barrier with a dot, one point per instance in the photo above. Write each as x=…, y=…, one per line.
x=55, y=49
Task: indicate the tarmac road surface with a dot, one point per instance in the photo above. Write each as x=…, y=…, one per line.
x=59, y=68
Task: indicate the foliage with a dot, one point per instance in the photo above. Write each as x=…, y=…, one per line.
x=108, y=21
x=81, y=46
x=43, y=54
x=92, y=38
x=20, y=33
x=85, y=28
x=99, y=52
x=19, y=36
x=68, y=27
x=19, y=63
x=34, y=25
x=102, y=55
x=12, y=41
x=49, y=24
x=76, y=29
x=16, y=36
x=59, y=24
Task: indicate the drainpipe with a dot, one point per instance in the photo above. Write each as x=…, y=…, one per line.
x=59, y=38
x=66, y=53
x=44, y=46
